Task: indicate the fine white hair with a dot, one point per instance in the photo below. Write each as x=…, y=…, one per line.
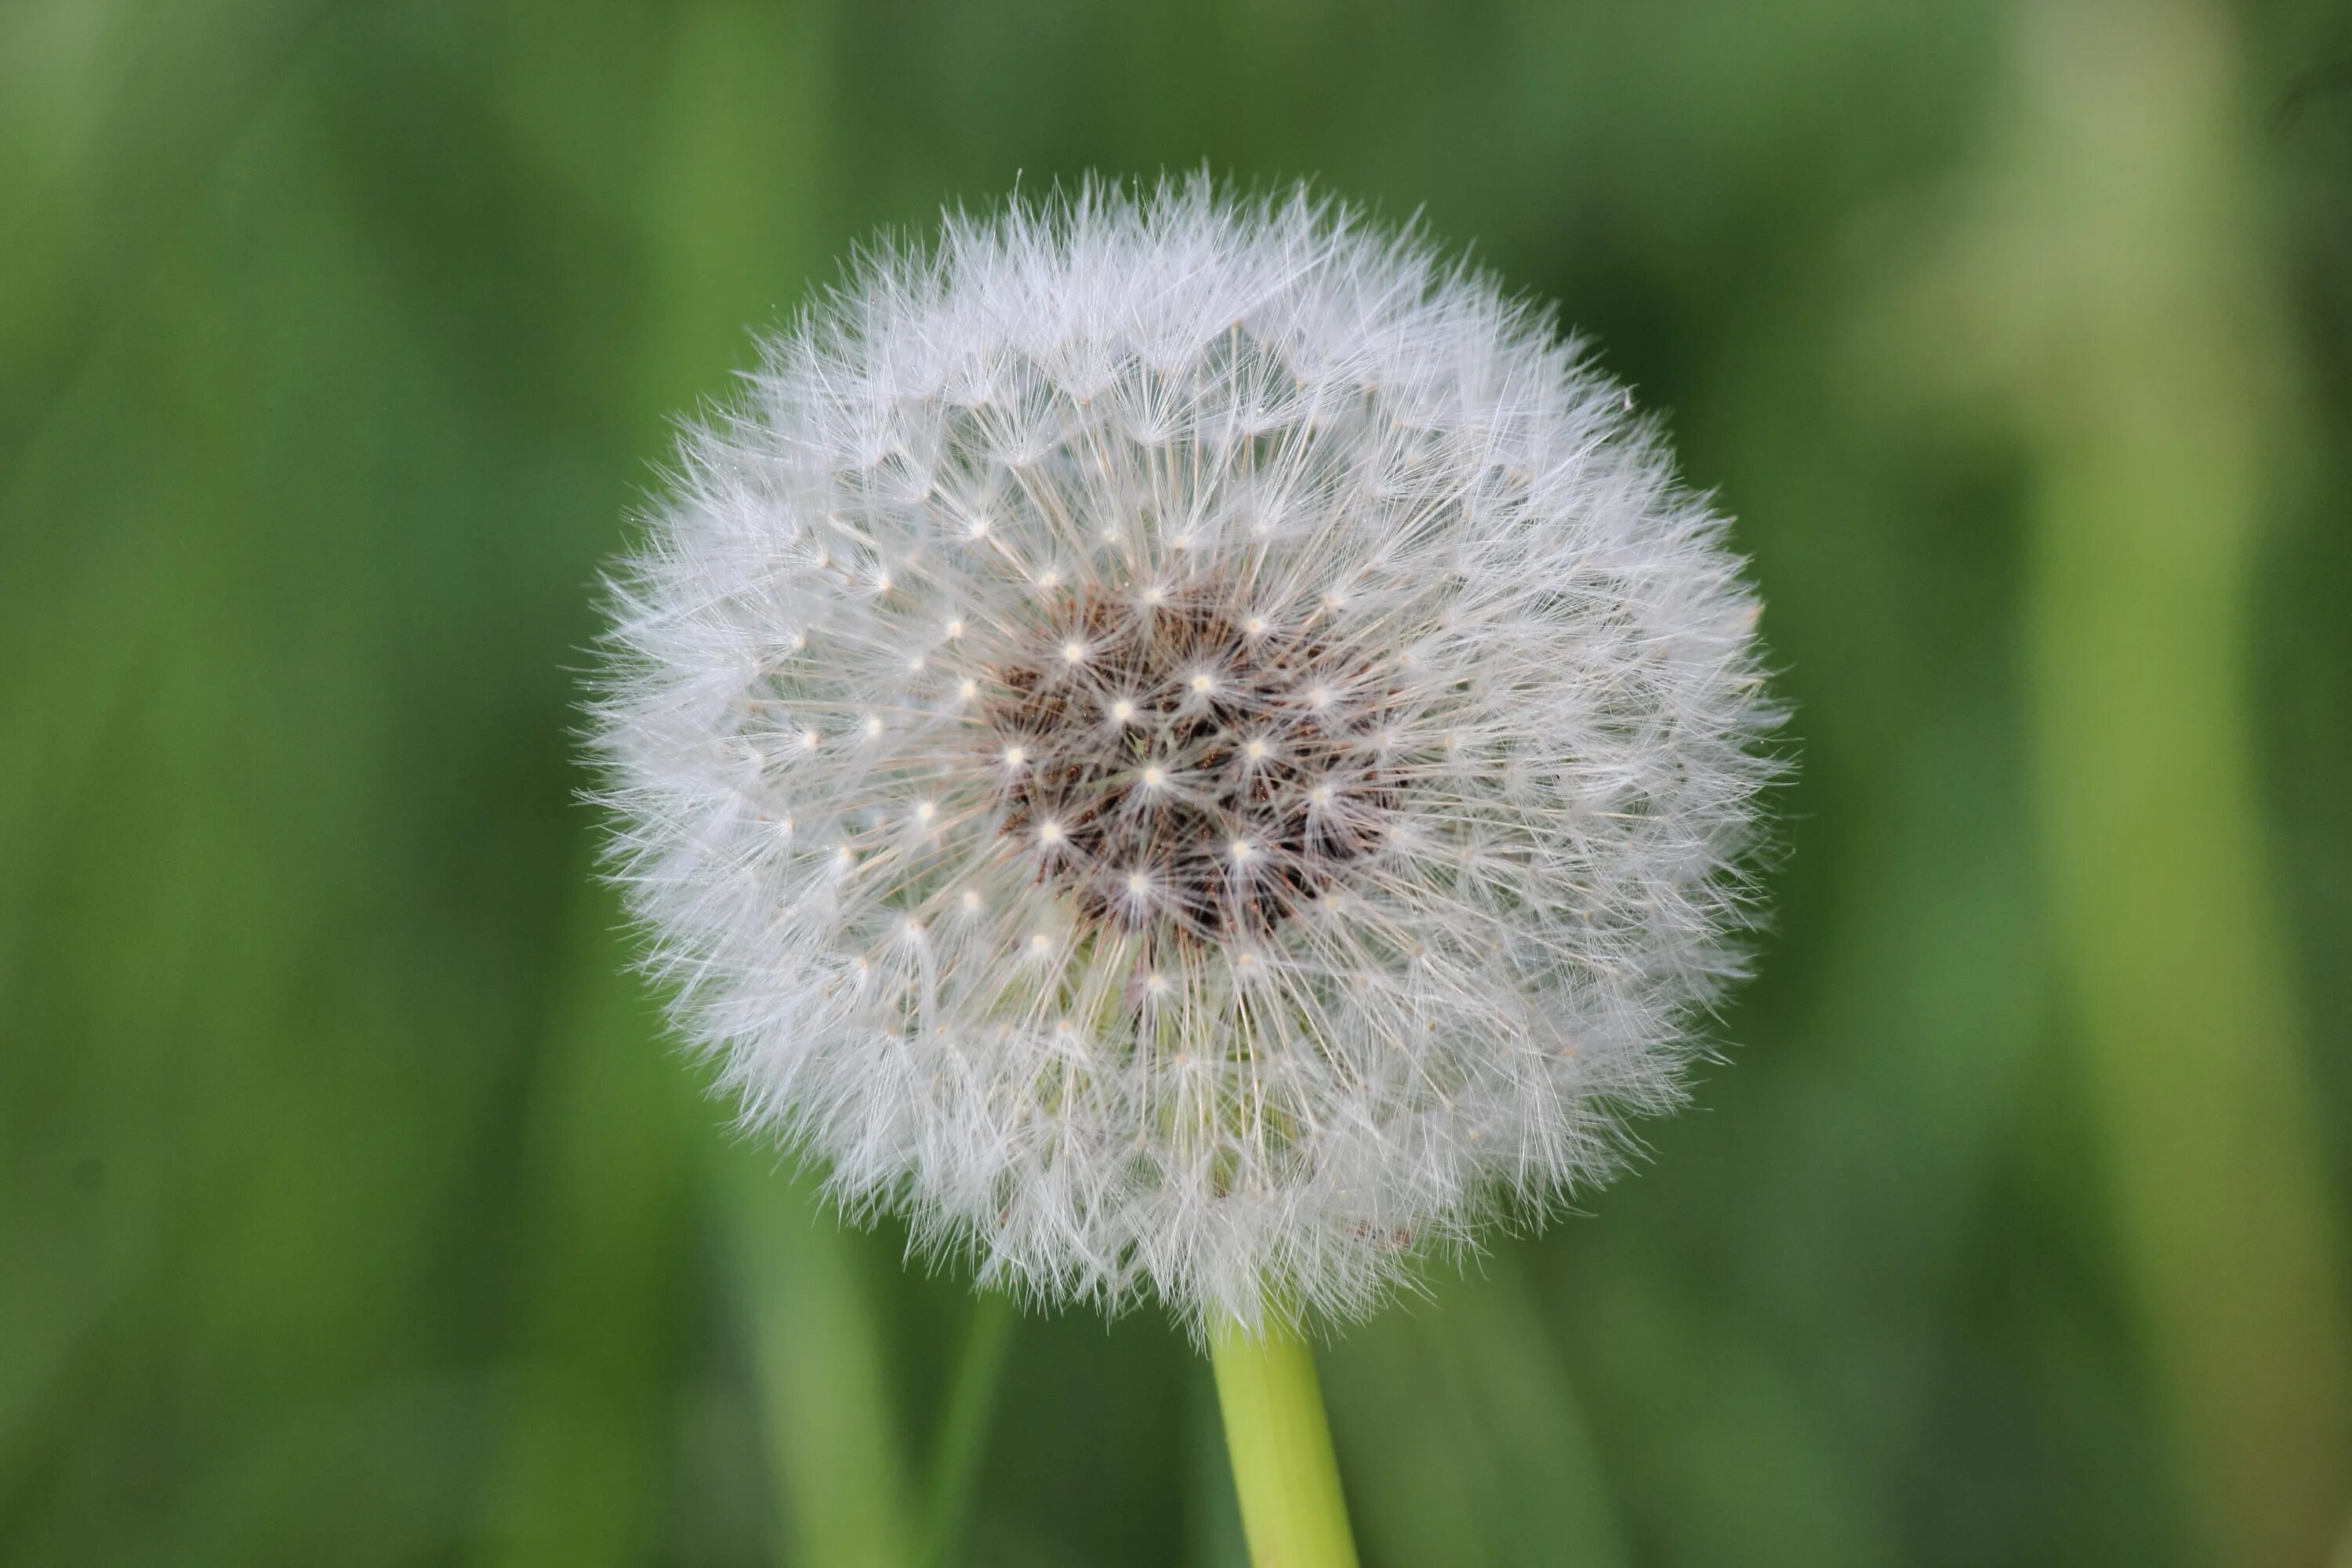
x=1185, y=742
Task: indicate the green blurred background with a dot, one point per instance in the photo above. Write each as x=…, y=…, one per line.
x=351, y=1208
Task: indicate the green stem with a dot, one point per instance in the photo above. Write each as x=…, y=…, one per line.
x=1280, y=1444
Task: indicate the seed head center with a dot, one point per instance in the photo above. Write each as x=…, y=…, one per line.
x=1197, y=769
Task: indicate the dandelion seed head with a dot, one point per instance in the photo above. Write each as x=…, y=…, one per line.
x=1337, y=823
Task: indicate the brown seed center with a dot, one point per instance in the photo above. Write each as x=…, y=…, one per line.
x=1181, y=763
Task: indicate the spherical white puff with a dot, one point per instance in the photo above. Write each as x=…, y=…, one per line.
x=1185, y=742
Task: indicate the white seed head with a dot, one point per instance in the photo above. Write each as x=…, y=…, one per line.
x=1410, y=849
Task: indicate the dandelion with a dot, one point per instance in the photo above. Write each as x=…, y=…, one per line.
x=1268, y=744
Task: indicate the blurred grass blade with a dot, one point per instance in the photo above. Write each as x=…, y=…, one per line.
x=2156, y=412
x=961, y=1448
x=1462, y=1436
x=731, y=218
x=816, y=1339
x=186, y=84
x=578, y=1470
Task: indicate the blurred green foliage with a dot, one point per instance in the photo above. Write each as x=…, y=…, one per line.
x=352, y=1211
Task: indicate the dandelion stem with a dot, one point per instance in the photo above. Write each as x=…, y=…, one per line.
x=1280, y=1444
